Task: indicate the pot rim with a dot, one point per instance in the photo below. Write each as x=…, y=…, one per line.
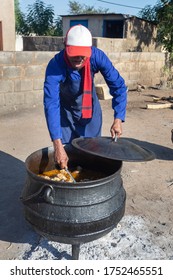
x=77, y=185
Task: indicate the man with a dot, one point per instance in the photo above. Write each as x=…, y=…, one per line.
x=72, y=108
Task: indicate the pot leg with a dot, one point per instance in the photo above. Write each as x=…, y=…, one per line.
x=75, y=251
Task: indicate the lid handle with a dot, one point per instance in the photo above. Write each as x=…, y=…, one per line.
x=115, y=138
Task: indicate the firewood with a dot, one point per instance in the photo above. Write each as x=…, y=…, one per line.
x=159, y=106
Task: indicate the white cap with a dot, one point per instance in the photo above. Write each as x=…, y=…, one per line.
x=78, y=41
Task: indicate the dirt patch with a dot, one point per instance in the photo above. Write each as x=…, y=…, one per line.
x=149, y=185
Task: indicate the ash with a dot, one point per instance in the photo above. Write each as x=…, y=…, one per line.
x=130, y=240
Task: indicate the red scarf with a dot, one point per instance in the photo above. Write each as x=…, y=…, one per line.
x=87, y=88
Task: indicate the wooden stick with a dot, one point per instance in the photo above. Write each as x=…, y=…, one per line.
x=159, y=106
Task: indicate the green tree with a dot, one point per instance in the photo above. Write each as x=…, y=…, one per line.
x=19, y=18
x=58, y=30
x=76, y=8
x=149, y=13
x=18, y=13
x=162, y=14
x=165, y=25
x=40, y=18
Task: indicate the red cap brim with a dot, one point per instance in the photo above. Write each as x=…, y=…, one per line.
x=78, y=51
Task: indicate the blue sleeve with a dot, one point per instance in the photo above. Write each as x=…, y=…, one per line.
x=53, y=76
x=114, y=81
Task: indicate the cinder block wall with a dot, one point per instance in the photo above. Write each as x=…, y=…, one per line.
x=22, y=75
x=21, y=79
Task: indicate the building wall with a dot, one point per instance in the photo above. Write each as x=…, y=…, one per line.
x=95, y=23
x=140, y=34
x=22, y=75
x=7, y=17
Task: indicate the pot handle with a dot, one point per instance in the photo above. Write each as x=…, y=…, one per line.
x=47, y=194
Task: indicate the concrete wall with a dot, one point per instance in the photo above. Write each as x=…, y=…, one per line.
x=7, y=17
x=43, y=43
x=48, y=43
x=141, y=35
x=22, y=74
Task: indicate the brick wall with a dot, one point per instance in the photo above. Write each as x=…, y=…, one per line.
x=22, y=74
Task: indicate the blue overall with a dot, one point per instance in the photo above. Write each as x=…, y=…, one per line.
x=63, y=97
x=72, y=124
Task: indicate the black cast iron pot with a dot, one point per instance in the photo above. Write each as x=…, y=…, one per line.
x=73, y=213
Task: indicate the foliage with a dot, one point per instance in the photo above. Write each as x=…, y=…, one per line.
x=58, y=30
x=19, y=18
x=40, y=18
x=40, y=21
x=162, y=14
x=165, y=25
x=76, y=8
x=165, y=36
x=149, y=13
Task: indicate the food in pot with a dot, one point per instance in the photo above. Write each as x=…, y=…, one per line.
x=79, y=174
x=59, y=175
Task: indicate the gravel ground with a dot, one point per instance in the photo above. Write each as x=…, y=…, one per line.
x=131, y=239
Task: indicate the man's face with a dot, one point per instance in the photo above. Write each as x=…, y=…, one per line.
x=77, y=61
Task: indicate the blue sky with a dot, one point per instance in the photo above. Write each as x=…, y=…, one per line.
x=62, y=7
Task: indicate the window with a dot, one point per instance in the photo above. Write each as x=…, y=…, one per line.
x=113, y=28
x=82, y=22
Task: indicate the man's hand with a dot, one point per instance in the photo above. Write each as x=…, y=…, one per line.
x=116, y=128
x=60, y=155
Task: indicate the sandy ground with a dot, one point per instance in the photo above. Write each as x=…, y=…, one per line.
x=146, y=230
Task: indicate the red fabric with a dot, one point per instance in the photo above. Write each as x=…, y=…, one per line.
x=87, y=88
x=87, y=91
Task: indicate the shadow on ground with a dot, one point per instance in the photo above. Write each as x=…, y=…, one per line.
x=13, y=228
x=161, y=152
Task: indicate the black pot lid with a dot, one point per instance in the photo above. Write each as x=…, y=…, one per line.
x=106, y=147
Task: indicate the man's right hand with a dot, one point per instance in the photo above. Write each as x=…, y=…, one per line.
x=60, y=155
